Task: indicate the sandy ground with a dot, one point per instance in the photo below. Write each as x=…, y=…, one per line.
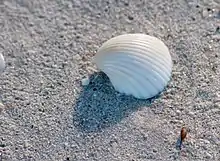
x=48, y=116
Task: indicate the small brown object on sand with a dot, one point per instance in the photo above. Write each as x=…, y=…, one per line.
x=183, y=133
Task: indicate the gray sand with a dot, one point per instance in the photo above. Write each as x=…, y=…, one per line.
x=48, y=116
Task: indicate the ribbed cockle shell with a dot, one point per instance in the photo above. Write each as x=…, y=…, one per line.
x=136, y=64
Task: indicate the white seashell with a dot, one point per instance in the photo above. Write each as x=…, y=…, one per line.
x=2, y=63
x=136, y=64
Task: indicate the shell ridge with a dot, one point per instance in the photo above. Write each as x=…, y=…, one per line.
x=116, y=73
x=142, y=53
x=110, y=64
x=114, y=80
x=131, y=82
x=150, y=75
x=146, y=44
x=151, y=63
x=128, y=70
x=143, y=43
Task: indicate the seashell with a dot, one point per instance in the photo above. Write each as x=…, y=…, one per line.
x=2, y=63
x=136, y=64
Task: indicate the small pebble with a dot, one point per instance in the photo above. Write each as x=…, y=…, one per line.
x=205, y=13
x=26, y=144
x=85, y=81
x=191, y=114
x=114, y=145
x=155, y=150
x=66, y=145
x=218, y=15
x=205, y=141
x=217, y=30
x=1, y=107
x=178, y=112
x=130, y=18
x=1, y=104
x=208, y=156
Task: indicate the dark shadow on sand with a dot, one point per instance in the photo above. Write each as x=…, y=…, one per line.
x=99, y=106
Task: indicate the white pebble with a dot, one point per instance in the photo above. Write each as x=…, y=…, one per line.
x=2, y=63
x=191, y=114
x=205, y=13
x=26, y=145
x=178, y=112
x=1, y=107
x=85, y=81
x=1, y=104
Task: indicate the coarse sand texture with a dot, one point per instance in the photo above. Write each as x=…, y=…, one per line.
x=57, y=106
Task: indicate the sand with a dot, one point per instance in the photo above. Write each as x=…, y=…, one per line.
x=47, y=115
